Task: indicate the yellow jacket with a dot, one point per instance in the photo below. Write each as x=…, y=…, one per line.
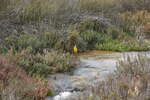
x=75, y=49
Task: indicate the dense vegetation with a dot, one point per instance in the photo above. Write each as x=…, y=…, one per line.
x=38, y=36
x=91, y=24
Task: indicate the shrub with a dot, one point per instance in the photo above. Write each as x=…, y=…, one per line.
x=36, y=10
x=114, y=32
x=115, y=45
x=90, y=37
x=16, y=84
x=92, y=32
x=74, y=39
x=97, y=5
x=60, y=62
x=112, y=45
x=92, y=24
x=24, y=41
x=29, y=52
x=49, y=39
x=43, y=64
x=133, y=5
x=36, y=42
x=8, y=70
x=3, y=49
x=131, y=21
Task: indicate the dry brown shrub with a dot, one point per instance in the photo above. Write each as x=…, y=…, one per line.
x=15, y=83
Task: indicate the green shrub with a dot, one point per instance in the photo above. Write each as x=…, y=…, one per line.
x=29, y=52
x=25, y=41
x=114, y=32
x=36, y=42
x=92, y=24
x=43, y=64
x=3, y=49
x=112, y=45
x=89, y=35
x=93, y=37
x=92, y=32
x=49, y=39
x=67, y=42
x=59, y=62
x=115, y=45
x=72, y=39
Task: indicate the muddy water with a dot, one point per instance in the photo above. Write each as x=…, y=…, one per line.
x=95, y=66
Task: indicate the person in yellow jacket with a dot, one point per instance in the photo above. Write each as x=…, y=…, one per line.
x=75, y=50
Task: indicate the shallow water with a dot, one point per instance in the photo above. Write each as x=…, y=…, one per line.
x=94, y=68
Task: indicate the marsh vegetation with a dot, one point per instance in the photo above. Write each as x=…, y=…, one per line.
x=37, y=39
